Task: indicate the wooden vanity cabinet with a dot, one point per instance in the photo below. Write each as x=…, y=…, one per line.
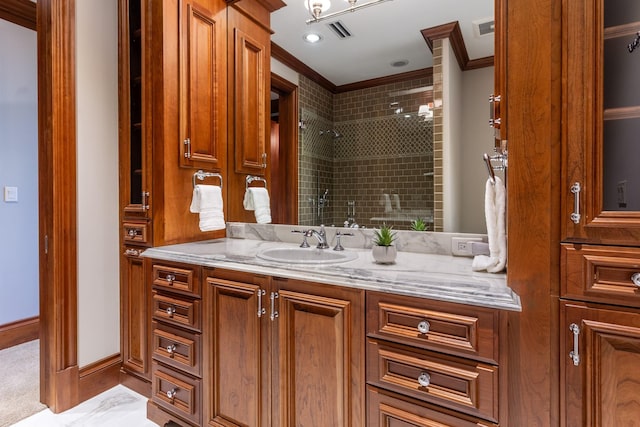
x=283, y=352
x=432, y=363
x=600, y=250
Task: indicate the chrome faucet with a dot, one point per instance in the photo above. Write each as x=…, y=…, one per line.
x=320, y=235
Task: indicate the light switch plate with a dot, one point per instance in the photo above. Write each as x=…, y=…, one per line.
x=10, y=194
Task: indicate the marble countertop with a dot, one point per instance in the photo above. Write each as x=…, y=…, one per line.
x=439, y=277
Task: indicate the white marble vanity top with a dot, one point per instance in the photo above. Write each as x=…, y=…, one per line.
x=439, y=277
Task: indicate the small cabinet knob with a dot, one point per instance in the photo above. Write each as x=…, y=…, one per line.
x=171, y=394
x=171, y=349
x=132, y=233
x=423, y=327
x=424, y=379
x=171, y=310
x=170, y=278
x=635, y=278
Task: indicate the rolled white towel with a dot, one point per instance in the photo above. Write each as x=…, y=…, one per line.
x=386, y=201
x=257, y=199
x=207, y=201
x=396, y=201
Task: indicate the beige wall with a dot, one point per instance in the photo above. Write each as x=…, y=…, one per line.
x=97, y=187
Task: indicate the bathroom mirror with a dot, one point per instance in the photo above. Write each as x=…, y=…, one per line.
x=367, y=156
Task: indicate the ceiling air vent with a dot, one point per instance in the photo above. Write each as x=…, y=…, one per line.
x=483, y=28
x=340, y=29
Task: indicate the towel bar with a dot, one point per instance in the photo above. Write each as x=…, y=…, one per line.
x=250, y=178
x=500, y=157
x=201, y=175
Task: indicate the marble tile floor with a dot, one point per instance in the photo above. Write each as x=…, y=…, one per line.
x=116, y=407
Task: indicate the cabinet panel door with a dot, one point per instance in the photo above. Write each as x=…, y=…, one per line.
x=251, y=91
x=203, y=84
x=135, y=318
x=315, y=336
x=603, y=389
x=601, y=120
x=239, y=361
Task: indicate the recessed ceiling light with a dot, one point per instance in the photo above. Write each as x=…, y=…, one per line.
x=400, y=63
x=312, y=37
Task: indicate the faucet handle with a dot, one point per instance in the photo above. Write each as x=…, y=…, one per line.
x=304, y=233
x=338, y=246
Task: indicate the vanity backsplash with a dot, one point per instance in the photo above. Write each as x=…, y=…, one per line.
x=408, y=241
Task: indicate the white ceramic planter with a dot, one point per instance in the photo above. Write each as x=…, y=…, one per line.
x=384, y=254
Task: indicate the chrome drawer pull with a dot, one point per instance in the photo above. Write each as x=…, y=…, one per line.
x=274, y=313
x=170, y=311
x=132, y=233
x=574, y=354
x=423, y=327
x=261, y=309
x=171, y=394
x=424, y=379
x=171, y=349
x=635, y=278
x=170, y=278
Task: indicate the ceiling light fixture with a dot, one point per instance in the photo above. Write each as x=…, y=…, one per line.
x=312, y=38
x=317, y=7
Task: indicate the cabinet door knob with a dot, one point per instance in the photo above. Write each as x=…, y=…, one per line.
x=171, y=349
x=171, y=310
x=424, y=379
x=171, y=394
x=423, y=327
x=132, y=233
x=170, y=278
x=635, y=278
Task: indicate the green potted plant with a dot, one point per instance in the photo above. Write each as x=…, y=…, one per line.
x=418, y=225
x=383, y=250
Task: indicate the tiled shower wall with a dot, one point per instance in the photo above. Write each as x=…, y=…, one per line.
x=379, y=153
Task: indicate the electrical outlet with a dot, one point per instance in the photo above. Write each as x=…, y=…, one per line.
x=461, y=246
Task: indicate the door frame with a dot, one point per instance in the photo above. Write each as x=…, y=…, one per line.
x=59, y=374
x=284, y=189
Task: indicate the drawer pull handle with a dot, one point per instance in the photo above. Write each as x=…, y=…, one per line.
x=171, y=394
x=424, y=379
x=171, y=349
x=575, y=215
x=635, y=278
x=423, y=327
x=261, y=309
x=170, y=278
x=170, y=311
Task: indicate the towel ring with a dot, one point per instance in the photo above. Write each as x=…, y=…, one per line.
x=201, y=175
x=250, y=178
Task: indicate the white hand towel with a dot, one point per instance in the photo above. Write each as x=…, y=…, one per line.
x=207, y=201
x=257, y=199
x=386, y=201
x=494, y=211
x=396, y=201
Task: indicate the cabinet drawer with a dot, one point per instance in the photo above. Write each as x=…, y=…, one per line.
x=177, y=348
x=176, y=392
x=601, y=274
x=386, y=409
x=178, y=311
x=452, y=328
x=136, y=232
x=176, y=279
x=456, y=383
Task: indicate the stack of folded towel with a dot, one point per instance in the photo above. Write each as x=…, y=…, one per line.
x=207, y=201
x=257, y=199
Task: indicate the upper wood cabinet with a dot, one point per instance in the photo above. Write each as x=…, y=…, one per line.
x=203, y=83
x=249, y=55
x=601, y=121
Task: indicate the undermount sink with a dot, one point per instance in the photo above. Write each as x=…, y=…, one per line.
x=306, y=255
